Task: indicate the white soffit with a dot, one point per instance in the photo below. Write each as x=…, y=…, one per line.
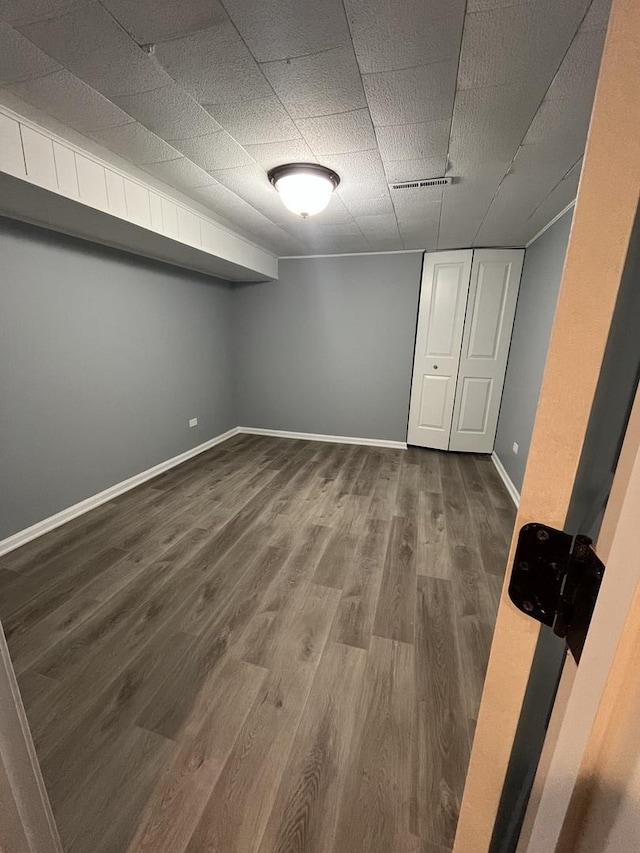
x=495, y=93
x=46, y=180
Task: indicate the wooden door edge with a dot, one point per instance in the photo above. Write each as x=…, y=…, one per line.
x=591, y=278
x=27, y=824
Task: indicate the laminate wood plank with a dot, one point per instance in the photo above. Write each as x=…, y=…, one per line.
x=376, y=799
x=227, y=619
x=407, y=494
x=304, y=815
x=494, y=486
x=432, y=556
x=235, y=817
x=33, y=687
x=32, y=598
x=185, y=785
x=383, y=499
x=442, y=748
x=356, y=612
x=395, y=613
x=103, y=814
x=258, y=640
x=474, y=643
x=336, y=559
x=470, y=582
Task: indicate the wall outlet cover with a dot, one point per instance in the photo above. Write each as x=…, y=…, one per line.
x=193, y=422
x=515, y=447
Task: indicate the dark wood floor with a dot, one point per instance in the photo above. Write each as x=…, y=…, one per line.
x=278, y=646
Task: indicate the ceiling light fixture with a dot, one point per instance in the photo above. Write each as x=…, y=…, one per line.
x=305, y=188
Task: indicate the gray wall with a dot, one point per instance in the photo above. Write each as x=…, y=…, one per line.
x=329, y=347
x=103, y=359
x=537, y=300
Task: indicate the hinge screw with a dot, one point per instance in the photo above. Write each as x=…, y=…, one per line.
x=528, y=606
x=524, y=567
x=543, y=535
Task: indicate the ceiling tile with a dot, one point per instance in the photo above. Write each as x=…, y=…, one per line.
x=136, y=143
x=169, y=111
x=180, y=173
x=214, y=65
x=339, y=134
x=89, y=43
x=257, y=121
x=415, y=206
x=65, y=97
x=464, y=205
x=281, y=29
x=409, y=170
x=370, y=206
x=580, y=67
x=272, y=154
x=381, y=225
x=322, y=84
x=334, y=213
x=214, y=151
x=519, y=44
x=25, y=11
x=564, y=118
x=361, y=173
x=388, y=38
x=489, y=124
x=416, y=94
x=252, y=185
x=413, y=141
x=19, y=59
x=157, y=20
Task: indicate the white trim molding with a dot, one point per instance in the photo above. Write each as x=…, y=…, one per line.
x=334, y=439
x=506, y=479
x=550, y=223
x=41, y=527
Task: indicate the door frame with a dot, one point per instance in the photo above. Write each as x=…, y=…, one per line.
x=27, y=824
x=601, y=229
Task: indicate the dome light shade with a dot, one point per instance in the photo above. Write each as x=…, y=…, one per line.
x=305, y=188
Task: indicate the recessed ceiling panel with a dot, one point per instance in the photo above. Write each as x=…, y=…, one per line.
x=136, y=143
x=280, y=29
x=387, y=38
x=256, y=121
x=320, y=84
x=214, y=65
x=423, y=93
x=65, y=97
x=20, y=59
x=158, y=20
x=339, y=134
x=214, y=151
x=425, y=140
x=169, y=111
x=94, y=47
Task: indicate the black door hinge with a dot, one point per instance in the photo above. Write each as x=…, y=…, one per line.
x=555, y=579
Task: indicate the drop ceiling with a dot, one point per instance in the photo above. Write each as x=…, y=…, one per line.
x=206, y=96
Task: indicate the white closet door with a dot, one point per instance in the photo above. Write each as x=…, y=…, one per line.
x=443, y=299
x=495, y=278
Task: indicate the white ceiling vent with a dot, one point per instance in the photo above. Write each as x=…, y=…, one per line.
x=426, y=182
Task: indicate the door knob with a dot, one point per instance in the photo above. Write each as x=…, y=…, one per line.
x=435, y=366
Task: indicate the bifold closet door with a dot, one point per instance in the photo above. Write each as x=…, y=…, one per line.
x=491, y=306
x=443, y=300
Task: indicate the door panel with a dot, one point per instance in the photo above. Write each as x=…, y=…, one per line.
x=495, y=278
x=443, y=300
x=475, y=397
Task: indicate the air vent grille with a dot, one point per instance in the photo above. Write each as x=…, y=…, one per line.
x=426, y=182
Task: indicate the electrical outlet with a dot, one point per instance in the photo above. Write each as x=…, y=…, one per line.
x=193, y=422
x=515, y=448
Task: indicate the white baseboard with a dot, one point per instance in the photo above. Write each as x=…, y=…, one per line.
x=334, y=439
x=506, y=479
x=41, y=527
